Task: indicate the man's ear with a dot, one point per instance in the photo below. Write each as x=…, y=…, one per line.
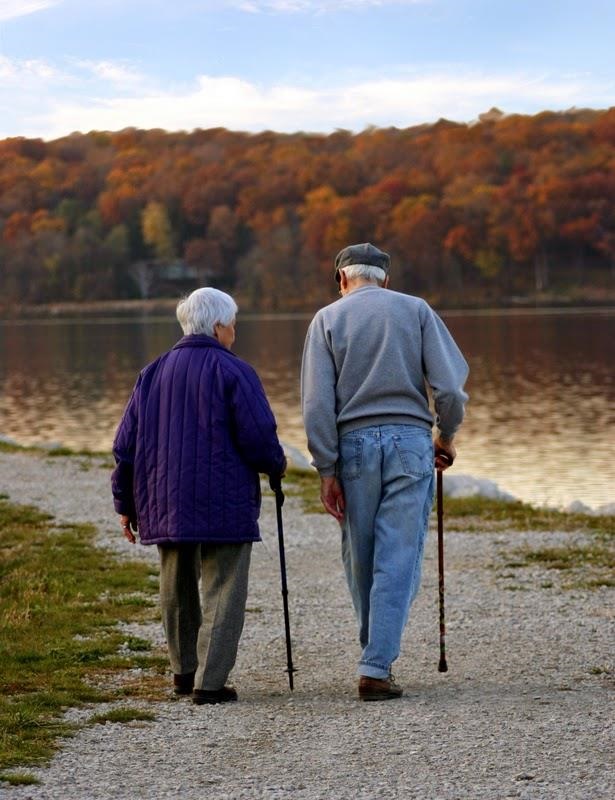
x=385, y=283
x=343, y=280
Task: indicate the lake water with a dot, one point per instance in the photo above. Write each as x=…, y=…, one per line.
x=540, y=423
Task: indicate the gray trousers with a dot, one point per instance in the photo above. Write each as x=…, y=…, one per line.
x=205, y=640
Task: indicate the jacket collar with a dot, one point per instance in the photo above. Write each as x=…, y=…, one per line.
x=200, y=340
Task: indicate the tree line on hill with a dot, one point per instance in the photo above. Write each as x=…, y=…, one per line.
x=509, y=206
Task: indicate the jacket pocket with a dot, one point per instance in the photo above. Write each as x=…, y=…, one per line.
x=415, y=453
x=351, y=456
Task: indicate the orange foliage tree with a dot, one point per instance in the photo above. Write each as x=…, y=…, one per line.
x=510, y=205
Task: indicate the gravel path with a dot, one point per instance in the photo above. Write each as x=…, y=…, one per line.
x=525, y=711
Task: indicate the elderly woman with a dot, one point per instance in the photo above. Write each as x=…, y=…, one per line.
x=195, y=435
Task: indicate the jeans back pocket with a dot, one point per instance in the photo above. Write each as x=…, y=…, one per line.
x=416, y=454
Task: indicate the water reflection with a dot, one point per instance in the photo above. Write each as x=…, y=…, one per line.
x=542, y=414
x=540, y=422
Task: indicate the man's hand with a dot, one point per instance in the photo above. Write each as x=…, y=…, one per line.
x=125, y=522
x=445, y=453
x=332, y=496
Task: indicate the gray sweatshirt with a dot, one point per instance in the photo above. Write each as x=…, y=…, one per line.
x=367, y=360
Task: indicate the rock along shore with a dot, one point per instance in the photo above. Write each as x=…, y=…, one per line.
x=525, y=711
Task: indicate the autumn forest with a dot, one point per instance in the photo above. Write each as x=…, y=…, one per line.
x=509, y=209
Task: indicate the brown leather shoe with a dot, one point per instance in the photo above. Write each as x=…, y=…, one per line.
x=378, y=689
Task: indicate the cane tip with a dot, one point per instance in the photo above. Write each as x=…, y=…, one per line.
x=442, y=666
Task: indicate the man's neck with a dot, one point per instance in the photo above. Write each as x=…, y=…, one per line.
x=359, y=283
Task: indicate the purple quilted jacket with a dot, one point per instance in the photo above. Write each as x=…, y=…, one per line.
x=195, y=435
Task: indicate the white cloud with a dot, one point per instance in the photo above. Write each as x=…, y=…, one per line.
x=110, y=96
x=25, y=73
x=112, y=72
x=10, y=9
x=77, y=74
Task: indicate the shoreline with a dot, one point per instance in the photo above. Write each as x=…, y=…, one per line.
x=166, y=306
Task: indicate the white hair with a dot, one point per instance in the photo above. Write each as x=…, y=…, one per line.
x=365, y=271
x=202, y=310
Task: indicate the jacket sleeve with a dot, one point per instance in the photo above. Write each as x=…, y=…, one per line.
x=254, y=426
x=318, y=399
x=446, y=371
x=124, y=446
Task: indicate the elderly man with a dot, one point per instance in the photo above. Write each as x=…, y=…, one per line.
x=367, y=362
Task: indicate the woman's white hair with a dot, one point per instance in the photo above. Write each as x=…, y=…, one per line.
x=365, y=271
x=202, y=310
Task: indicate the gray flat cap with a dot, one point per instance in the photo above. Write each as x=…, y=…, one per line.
x=364, y=253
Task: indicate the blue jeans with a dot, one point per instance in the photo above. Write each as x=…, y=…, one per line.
x=387, y=473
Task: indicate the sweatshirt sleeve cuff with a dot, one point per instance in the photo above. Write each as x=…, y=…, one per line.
x=326, y=472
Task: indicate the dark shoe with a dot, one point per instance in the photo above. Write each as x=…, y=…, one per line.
x=183, y=684
x=377, y=689
x=224, y=695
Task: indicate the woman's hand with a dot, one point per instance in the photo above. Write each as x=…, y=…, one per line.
x=125, y=522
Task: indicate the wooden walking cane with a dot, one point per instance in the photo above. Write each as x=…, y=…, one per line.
x=442, y=665
x=279, y=502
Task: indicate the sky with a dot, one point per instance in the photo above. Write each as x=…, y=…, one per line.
x=295, y=65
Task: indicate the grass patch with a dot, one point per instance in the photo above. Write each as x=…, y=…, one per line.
x=123, y=715
x=475, y=514
x=136, y=644
x=481, y=513
x=60, y=601
x=304, y=484
x=19, y=778
x=9, y=447
x=588, y=566
x=572, y=557
x=53, y=452
x=596, y=583
x=68, y=451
